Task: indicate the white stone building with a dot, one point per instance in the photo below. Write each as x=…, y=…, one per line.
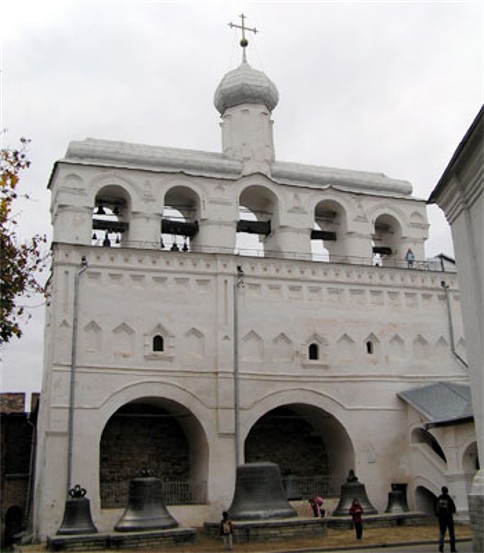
x=192, y=361
x=460, y=193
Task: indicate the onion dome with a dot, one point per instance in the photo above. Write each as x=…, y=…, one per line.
x=245, y=85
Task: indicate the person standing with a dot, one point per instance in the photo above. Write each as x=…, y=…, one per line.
x=226, y=531
x=445, y=509
x=356, y=512
x=410, y=258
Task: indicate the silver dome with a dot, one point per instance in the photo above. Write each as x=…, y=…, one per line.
x=245, y=85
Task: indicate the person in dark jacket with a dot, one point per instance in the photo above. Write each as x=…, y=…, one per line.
x=445, y=509
x=226, y=530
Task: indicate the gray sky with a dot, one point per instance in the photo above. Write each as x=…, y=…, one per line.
x=387, y=86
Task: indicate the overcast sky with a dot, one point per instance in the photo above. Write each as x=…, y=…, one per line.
x=390, y=87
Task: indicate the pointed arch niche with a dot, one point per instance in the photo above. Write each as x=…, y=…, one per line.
x=315, y=352
x=158, y=344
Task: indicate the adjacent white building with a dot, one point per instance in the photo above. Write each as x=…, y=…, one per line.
x=209, y=309
x=460, y=193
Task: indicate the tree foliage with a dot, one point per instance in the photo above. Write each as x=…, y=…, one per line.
x=21, y=261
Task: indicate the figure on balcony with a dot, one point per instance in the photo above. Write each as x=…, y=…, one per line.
x=410, y=258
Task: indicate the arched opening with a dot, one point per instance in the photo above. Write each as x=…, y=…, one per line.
x=158, y=343
x=470, y=461
x=386, y=240
x=110, y=218
x=312, y=449
x=257, y=219
x=327, y=236
x=422, y=436
x=158, y=434
x=425, y=501
x=313, y=352
x=179, y=224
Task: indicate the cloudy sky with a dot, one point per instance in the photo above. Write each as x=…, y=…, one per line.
x=381, y=86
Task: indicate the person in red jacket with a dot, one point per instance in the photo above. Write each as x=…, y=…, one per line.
x=356, y=511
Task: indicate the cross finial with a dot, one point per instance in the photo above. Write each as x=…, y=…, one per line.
x=243, y=41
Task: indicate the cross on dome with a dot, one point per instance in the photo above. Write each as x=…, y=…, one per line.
x=243, y=41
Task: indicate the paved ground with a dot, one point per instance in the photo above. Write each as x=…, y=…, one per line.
x=464, y=547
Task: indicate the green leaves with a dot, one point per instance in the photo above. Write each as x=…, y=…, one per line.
x=21, y=261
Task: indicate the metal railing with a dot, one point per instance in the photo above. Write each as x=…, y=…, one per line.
x=304, y=487
x=115, y=493
x=434, y=265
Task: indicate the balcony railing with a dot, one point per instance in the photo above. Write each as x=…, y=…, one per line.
x=434, y=265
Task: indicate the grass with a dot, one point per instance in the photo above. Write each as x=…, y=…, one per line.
x=331, y=539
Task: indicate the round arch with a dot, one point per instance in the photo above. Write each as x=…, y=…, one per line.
x=160, y=434
x=258, y=219
x=111, y=215
x=470, y=459
x=387, y=236
x=113, y=184
x=286, y=428
x=182, y=208
x=330, y=226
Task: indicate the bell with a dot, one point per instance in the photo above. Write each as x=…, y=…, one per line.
x=146, y=510
x=397, y=499
x=350, y=490
x=77, y=514
x=259, y=493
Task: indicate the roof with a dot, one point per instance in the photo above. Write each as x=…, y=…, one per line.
x=441, y=403
x=474, y=132
x=118, y=154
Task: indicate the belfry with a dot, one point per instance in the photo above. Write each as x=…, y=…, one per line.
x=210, y=309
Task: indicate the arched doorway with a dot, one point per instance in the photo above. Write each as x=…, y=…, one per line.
x=158, y=434
x=311, y=447
x=425, y=500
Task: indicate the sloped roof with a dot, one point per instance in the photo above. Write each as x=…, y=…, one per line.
x=441, y=403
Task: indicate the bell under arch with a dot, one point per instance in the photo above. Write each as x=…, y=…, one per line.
x=111, y=217
x=180, y=219
x=387, y=238
x=311, y=448
x=328, y=236
x=258, y=218
x=159, y=434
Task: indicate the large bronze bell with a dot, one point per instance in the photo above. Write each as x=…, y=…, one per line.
x=350, y=490
x=77, y=514
x=259, y=493
x=146, y=510
x=397, y=499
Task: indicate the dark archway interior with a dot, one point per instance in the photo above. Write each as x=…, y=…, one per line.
x=311, y=447
x=287, y=438
x=142, y=435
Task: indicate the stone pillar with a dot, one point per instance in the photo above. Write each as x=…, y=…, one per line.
x=215, y=236
x=290, y=242
x=72, y=225
x=144, y=230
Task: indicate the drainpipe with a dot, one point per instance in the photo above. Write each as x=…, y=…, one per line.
x=238, y=282
x=72, y=395
x=445, y=286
